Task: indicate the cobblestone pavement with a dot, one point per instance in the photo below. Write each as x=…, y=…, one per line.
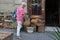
x=29, y=36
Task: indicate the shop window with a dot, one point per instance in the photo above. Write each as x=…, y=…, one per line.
x=35, y=7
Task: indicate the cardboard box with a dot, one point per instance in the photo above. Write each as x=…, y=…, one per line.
x=41, y=28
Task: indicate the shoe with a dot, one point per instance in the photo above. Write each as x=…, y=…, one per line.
x=19, y=37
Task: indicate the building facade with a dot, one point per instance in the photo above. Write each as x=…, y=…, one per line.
x=9, y=5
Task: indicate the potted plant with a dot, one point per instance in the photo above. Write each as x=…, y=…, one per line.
x=55, y=35
x=13, y=25
x=1, y=24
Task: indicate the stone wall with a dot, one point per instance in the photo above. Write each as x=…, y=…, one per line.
x=9, y=5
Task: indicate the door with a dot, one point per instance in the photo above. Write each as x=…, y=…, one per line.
x=52, y=13
x=59, y=13
x=36, y=10
x=35, y=7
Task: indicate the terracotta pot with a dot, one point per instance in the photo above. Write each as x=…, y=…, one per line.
x=1, y=24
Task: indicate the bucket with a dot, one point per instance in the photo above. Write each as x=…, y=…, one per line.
x=30, y=29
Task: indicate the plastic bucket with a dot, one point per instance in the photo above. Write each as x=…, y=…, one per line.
x=30, y=29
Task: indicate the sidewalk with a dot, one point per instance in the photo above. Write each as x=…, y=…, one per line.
x=27, y=36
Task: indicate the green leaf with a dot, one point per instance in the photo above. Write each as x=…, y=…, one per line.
x=52, y=37
x=55, y=35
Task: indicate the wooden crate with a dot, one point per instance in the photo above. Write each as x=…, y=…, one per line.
x=6, y=35
x=41, y=28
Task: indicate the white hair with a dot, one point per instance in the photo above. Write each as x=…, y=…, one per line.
x=23, y=3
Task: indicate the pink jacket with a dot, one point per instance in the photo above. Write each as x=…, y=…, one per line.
x=19, y=12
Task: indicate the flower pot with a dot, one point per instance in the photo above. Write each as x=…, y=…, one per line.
x=1, y=24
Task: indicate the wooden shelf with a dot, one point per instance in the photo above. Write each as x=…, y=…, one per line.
x=8, y=21
x=7, y=16
x=35, y=16
x=1, y=19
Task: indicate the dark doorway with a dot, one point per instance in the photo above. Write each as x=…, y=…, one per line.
x=51, y=12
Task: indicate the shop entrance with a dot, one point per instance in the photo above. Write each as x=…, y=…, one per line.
x=51, y=12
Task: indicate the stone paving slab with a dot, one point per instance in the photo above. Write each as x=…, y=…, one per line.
x=29, y=36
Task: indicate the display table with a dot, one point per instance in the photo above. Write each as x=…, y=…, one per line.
x=39, y=25
x=6, y=35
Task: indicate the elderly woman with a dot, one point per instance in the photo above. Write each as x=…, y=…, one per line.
x=19, y=18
